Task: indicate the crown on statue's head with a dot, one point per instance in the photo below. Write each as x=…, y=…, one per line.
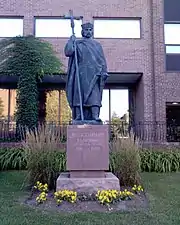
x=87, y=25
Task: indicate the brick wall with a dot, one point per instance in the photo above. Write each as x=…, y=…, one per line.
x=145, y=55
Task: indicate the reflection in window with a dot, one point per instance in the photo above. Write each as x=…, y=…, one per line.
x=56, y=27
x=1, y=108
x=117, y=28
x=172, y=34
x=119, y=103
x=172, y=38
x=57, y=107
x=119, y=112
x=173, y=49
x=104, y=111
x=11, y=27
x=4, y=100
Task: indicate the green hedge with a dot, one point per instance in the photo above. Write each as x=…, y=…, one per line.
x=151, y=160
x=13, y=159
x=160, y=161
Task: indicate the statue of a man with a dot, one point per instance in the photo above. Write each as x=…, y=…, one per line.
x=92, y=74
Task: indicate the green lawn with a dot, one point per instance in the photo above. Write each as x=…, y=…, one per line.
x=163, y=191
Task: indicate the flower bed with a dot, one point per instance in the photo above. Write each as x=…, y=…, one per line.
x=102, y=201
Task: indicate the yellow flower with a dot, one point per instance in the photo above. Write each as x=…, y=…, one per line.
x=114, y=195
x=73, y=198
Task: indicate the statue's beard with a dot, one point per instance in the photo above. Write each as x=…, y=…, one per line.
x=88, y=35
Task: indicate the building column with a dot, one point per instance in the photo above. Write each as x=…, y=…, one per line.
x=59, y=108
x=131, y=107
x=109, y=105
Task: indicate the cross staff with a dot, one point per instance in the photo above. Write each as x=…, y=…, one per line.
x=71, y=17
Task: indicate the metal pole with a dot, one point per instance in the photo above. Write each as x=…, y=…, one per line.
x=109, y=112
x=76, y=63
x=59, y=107
x=9, y=106
x=109, y=105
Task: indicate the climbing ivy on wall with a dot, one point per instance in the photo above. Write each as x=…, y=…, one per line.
x=30, y=59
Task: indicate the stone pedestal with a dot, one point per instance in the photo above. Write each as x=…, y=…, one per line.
x=87, y=185
x=87, y=160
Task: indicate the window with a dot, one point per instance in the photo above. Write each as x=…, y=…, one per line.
x=173, y=49
x=172, y=38
x=171, y=10
x=11, y=27
x=56, y=27
x=117, y=28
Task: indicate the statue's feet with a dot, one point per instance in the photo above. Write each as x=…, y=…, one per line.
x=78, y=117
x=96, y=118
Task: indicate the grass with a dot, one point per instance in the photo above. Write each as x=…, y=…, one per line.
x=163, y=192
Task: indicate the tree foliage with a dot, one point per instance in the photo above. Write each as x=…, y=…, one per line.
x=30, y=59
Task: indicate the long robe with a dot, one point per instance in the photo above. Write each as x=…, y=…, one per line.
x=92, y=67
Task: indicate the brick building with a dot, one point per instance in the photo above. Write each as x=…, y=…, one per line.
x=141, y=41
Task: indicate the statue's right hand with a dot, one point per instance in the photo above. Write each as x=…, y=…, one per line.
x=73, y=38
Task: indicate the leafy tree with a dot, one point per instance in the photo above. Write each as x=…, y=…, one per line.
x=30, y=59
x=115, y=118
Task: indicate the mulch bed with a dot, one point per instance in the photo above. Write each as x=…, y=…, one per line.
x=137, y=203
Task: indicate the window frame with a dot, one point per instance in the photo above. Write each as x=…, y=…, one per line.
x=12, y=18
x=120, y=18
x=165, y=45
x=172, y=45
x=178, y=45
x=50, y=18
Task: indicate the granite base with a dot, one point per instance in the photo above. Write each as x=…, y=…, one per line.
x=90, y=122
x=87, y=185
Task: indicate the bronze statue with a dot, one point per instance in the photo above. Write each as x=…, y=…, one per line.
x=87, y=73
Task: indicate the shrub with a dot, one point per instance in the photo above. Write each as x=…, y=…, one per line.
x=44, y=159
x=13, y=158
x=125, y=160
x=160, y=161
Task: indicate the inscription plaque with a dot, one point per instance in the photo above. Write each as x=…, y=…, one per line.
x=87, y=148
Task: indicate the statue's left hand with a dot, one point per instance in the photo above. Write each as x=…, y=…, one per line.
x=104, y=76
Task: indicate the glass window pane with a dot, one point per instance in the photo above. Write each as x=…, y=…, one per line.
x=4, y=95
x=104, y=112
x=172, y=33
x=119, y=112
x=3, y=103
x=57, y=107
x=116, y=28
x=173, y=49
x=119, y=103
x=11, y=27
x=56, y=28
